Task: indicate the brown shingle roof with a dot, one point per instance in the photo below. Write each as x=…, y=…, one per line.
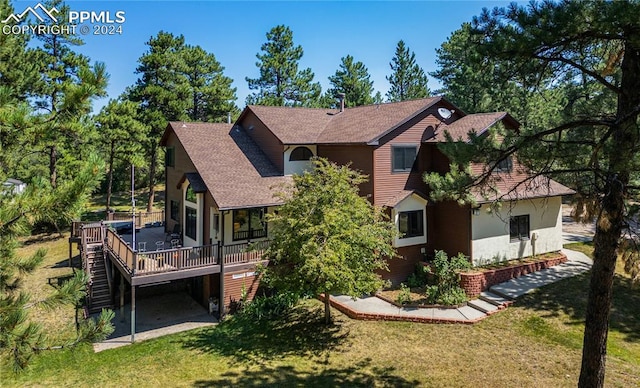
x=361, y=124
x=516, y=185
x=293, y=125
x=459, y=129
x=369, y=123
x=401, y=196
x=234, y=169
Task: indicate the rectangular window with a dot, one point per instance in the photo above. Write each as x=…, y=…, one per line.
x=410, y=224
x=170, y=157
x=191, y=222
x=403, y=158
x=519, y=227
x=249, y=224
x=175, y=210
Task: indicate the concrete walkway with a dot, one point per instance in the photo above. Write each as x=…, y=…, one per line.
x=497, y=298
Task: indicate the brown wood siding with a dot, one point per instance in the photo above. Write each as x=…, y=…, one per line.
x=386, y=182
x=360, y=157
x=233, y=288
x=267, y=141
x=173, y=175
x=401, y=267
x=450, y=228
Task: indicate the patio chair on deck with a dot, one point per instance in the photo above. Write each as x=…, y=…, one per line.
x=175, y=234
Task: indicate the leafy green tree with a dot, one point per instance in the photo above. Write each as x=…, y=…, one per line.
x=162, y=92
x=353, y=79
x=326, y=238
x=280, y=82
x=211, y=92
x=590, y=46
x=408, y=81
x=63, y=96
x=122, y=137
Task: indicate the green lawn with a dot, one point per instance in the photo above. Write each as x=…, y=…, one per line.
x=534, y=343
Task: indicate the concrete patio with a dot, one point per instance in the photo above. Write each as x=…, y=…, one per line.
x=156, y=316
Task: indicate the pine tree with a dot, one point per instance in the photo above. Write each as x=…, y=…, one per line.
x=280, y=82
x=163, y=94
x=408, y=81
x=588, y=48
x=63, y=97
x=212, y=95
x=353, y=79
x=122, y=137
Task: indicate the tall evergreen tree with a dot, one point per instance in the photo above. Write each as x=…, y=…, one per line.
x=353, y=79
x=122, y=137
x=280, y=82
x=18, y=70
x=212, y=96
x=588, y=46
x=63, y=97
x=163, y=93
x=408, y=80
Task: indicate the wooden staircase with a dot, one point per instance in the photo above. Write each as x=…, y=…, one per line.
x=99, y=291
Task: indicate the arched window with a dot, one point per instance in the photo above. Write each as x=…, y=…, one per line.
x=300, y=153
x=190, y=195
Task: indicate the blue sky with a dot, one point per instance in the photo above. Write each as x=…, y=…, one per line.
x=234, y=31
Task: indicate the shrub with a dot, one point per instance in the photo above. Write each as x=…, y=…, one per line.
x=269, y=307
x=419, y=277
x=446, y=288
x=405, y=294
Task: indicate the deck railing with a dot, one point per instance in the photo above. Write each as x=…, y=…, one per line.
x=121, y=250
x=142, y=218
x=176, y=259
x=244, y=253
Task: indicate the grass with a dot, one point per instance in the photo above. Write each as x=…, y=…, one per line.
x=534, y=343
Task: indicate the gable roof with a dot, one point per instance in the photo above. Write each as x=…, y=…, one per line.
x=516, y=185
x=477, y=122
x=234, y=169
x=366, y=124
x=361, y=125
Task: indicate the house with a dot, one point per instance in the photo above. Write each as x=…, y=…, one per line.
x=220, y=181
x=14, y=186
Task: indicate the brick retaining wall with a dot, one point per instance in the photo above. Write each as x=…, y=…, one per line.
x=474, y=283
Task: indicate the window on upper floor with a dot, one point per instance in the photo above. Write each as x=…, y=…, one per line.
x=519, y=227
x=403, y=157
x=170, y=157
x=300, y=153
x=410, y=224
x=505, y=165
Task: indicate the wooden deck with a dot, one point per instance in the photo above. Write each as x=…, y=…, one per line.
x=170, y=264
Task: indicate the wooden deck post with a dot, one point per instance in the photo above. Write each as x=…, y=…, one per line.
x=122, y=297
x=133, y=313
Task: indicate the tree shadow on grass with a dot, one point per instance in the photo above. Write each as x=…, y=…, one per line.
x=300, y=332
x=288, y=376
x=569, y=296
